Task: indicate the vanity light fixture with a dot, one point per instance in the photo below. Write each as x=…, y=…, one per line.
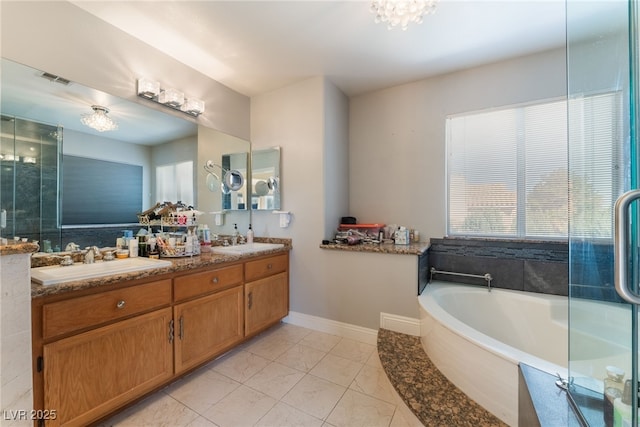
x=193, y=106
x=169, y=97
x=99, y=120
x=148, y=88
x=402, y=12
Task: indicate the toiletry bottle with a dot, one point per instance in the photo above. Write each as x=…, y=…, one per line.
x=236, y=234
x=206, y=238
x=613, y=388
x=133, y=247
x=250, y=235
x=196, y=244
x=188, y=244
x=622, y=407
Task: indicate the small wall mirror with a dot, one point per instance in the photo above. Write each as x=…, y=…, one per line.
x=234, y=185
x=265, y=179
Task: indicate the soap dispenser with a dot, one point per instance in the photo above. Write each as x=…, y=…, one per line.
x=236, y=234
x=250, y=235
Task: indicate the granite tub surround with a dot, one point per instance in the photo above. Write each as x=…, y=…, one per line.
x=424, y=389
x=177, y=265
x=532, y=266
x=417, y=248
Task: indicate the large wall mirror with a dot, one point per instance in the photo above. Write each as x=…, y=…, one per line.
x=41, y=127
x=265, y=179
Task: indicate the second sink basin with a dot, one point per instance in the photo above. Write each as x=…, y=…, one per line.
x=58, y=274
x=248, y=248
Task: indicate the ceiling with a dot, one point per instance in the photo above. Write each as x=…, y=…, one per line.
x=257, y=46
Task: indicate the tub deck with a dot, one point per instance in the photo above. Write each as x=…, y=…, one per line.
x=425, y=390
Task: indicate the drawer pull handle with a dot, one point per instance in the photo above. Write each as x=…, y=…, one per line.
x=120, y=304
x=269, y=266
x=215, y=280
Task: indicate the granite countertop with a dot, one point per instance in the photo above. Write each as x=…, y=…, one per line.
x=178, y=265
x=425, y=390
x=417, y=248
x=18, y=248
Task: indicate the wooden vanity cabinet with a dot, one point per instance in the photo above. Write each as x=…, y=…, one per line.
x=97, y=350
x=266, y=292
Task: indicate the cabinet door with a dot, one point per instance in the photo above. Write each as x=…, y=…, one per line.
x=89, y=375
x=266, y=302
x=207, y=326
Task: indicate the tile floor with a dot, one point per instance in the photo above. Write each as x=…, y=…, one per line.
x=287, y=376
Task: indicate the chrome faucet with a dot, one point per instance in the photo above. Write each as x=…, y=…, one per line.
x=72, y=247
x=90, y=254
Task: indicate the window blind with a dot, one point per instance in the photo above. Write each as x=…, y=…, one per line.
x=507, y=169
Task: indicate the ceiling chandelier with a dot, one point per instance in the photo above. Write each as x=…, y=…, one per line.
x=99, y=120
x=402, y=12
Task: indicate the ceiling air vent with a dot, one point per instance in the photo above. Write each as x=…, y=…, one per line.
x=55, y=79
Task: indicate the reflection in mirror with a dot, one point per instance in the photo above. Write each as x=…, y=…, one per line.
x=265, y=179
x=235, y=191
x=228, y=153
x=232, y=179
x=29, y=168
x=166, y=145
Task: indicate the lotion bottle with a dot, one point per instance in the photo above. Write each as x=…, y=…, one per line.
x=236, y=235
x=250, y=235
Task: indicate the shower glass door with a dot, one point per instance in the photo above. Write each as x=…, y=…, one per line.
x=603, y=342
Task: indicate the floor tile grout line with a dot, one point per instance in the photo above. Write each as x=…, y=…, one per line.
x=359, y=358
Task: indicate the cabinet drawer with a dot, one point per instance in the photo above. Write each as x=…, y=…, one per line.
x=192, y=285
x=90, y=310
x=266, y=267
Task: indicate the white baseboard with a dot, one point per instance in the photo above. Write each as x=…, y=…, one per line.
x=358, y=333
x=405, y=325
x=402, y=324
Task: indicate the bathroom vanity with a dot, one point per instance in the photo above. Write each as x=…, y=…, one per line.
x=101, y=344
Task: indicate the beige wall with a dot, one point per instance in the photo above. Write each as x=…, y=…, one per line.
x=397, y=135
x=309, y=120
x=293, y=118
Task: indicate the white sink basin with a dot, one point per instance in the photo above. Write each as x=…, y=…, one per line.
x=58, y=274
x=248, y=248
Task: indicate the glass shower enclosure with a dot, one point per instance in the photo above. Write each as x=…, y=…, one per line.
x=30, y=160
x=602, y=83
